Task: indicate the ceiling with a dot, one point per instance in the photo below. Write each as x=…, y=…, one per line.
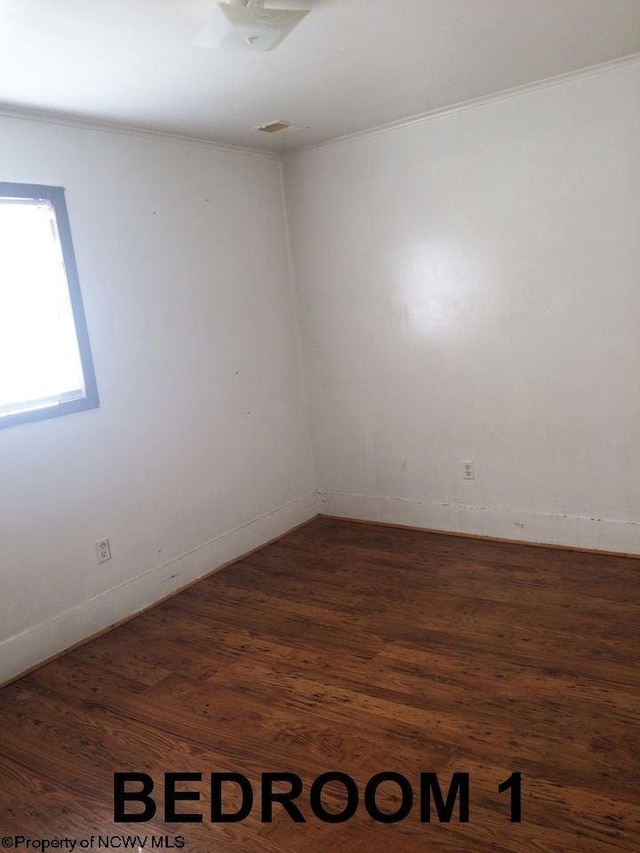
x=349, y=66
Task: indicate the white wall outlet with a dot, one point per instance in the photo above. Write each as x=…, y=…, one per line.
x=467, y=470
x=103, y=550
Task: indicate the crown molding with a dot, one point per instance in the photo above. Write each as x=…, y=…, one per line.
x=54, y=118
x=62, y=119
x=473, y=103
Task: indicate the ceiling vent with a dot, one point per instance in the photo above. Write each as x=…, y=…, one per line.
x=279, y=126
x=247, y=25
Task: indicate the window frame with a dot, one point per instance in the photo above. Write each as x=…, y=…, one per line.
x=55, y=195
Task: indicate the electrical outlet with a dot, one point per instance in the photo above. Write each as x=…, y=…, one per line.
x=467, y=470
x=103, y=550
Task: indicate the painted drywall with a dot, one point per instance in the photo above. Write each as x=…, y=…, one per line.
x=469, y=289
x=199, y=450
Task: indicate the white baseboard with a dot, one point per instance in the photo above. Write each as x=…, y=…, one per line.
x=38, y=643
x=574, y=531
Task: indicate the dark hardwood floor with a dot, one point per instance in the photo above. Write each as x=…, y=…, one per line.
x=361, y=649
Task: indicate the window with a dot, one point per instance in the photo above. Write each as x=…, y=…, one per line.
x=45, y=361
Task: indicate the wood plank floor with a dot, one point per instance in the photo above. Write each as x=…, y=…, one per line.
x=360, y=649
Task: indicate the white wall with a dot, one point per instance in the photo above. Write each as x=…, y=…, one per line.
x=469, y=288
x=199, y=450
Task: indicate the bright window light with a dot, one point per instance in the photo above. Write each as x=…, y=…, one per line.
x=45, y=360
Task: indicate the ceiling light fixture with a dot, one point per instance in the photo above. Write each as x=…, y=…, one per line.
x=247, y=25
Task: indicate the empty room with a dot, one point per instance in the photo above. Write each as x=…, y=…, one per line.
x=320, y=426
